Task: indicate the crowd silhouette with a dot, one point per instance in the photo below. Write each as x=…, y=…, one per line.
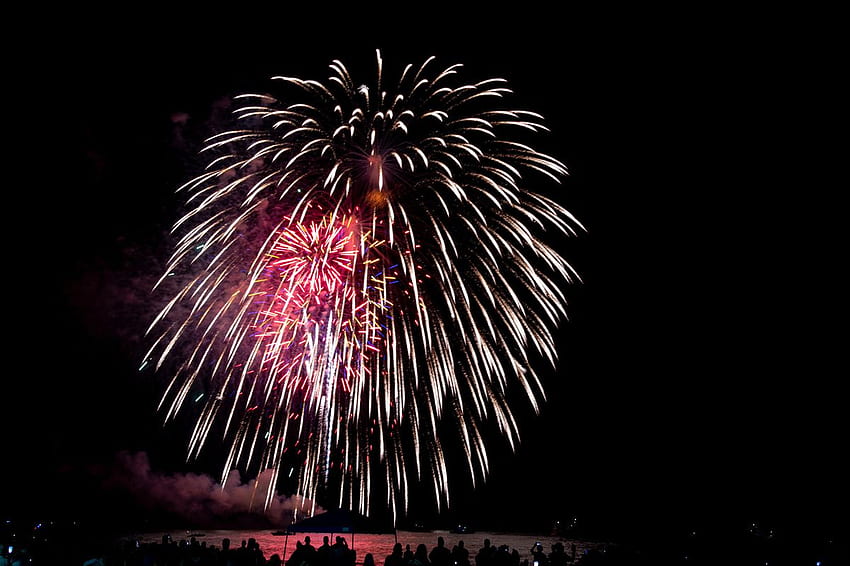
x=195, y=553
x=82, y=548
x=336, y=554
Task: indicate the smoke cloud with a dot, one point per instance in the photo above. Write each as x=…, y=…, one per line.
x=198, y=499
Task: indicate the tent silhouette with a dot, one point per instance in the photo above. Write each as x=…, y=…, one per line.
x=340, y=521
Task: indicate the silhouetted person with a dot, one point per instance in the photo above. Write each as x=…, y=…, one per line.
x=309, y=552
x=225, y=556
x=420, y=557
x=502, y=556
x=323, y=553
x=368, y=559
x=460, y=555
x=538, y=555
x=240, y=555
x=341, y=555
x=396, y=557
x=297, y=556
x=484, y=556
x=558, y=557
x=257, y=557
x=440, y=555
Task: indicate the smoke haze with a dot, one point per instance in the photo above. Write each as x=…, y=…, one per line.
x=197, y=499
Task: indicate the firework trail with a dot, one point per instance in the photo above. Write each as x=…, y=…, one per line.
x=356, y=267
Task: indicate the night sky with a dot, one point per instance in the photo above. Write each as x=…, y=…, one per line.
x=699, y=381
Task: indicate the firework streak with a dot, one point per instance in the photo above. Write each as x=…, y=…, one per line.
x=356, y=268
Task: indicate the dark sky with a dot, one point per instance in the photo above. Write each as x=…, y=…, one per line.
x=698, y=378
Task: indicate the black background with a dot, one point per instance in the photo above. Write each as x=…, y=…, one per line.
x=699, y=380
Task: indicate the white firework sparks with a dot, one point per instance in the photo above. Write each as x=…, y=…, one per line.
x=357, y=266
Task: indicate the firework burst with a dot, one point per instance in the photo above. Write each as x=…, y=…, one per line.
x=356, y=266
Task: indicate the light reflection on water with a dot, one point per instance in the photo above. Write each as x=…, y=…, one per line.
x=380, y=545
